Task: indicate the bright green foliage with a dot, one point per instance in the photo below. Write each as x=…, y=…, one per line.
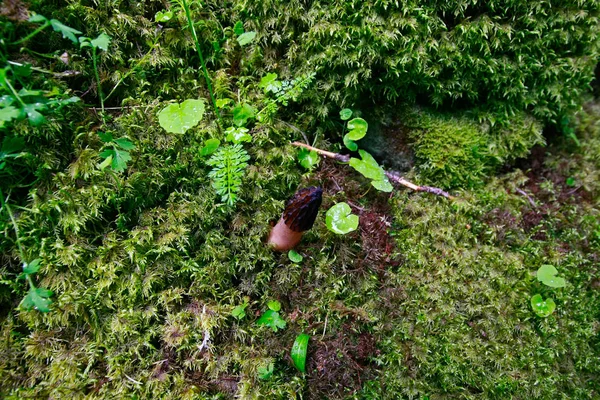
x=163, y=16
x=294, y=256
x=299, y=350
x=309, y=159
x=229, y=167
x=339, y=219
x=543, y=308
x=265, y=372
x=242, y=113
x=237, y=135
x=239, y=312
x=358, y=128
x=210, y=146
x=370, y=169
x=547, y=275
x=179, y=118
x=271, y=317
x=345, y=114
x=117, y=154
x=504, y=56
x=457, y=151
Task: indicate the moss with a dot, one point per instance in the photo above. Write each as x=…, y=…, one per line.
x=454, y=150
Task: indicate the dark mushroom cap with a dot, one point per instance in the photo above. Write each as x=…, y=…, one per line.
x=301, y=210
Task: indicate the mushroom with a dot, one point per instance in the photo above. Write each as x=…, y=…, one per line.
x=299, y=216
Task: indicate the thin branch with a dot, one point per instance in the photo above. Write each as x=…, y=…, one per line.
x=522, y=193
x=392, y=175
x=296, y=129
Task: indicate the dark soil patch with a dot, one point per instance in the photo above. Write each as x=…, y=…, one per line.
x=339, y=365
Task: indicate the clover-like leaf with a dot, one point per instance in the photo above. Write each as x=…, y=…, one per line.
x=66, y=31
x=210, y=146
x=294, y=256
x=309, y=159
x=270, y=83
x=299, y=350
x=101, y=42
x=178, y=118
x=237, y=135
x=163, y=16
x=272, y=319
x=358, y=128
x=345, y=114
x=547, y=275
x=274, y=305
x=246, y=38
x=32, y=267
x=339, y=219
x=37, y=298
x=242, y=113
x=541, y=307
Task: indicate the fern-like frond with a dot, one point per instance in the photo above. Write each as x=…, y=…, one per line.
x=228, y=164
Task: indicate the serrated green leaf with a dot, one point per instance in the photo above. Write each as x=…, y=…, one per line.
x=309, y=159
x=37, y=18
x=178, y=118
x=265, y=372
x=35, y=118
x=299, y=350
x=239, y=312
x=547, y=275
x=9, y=113
x=237, y=135
x=120, y=159
x=242, y=113
x=210, y=146
x=66, y=31
x=124, y=143
x=106, y=137
x=269, y=83
x=32, y=267
x=358, y=128
x=101, y=42
x=246, y=38
x=345, y=114
x=350, y=145
x=339, y=219
x=272, y=319
x=37, y=298
x=222, y=103
x=543, y=308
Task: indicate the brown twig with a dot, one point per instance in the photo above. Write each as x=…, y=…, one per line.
x=523, y=193
x=392, y=175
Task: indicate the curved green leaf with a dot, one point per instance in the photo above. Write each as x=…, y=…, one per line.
x=350, y=144
x=210, y=146
x=368, y=166
x=246, y=38
x=299, y=350
x=358, y=128
x=294, y=256
x=242, y=113
x=541, y=307
x=308, y=159
x=178, y=118
x=339, y=219
x=345, y=114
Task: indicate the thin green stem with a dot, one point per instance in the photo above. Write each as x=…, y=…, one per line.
x=14, y=222
x=32, y=34
x=98, y=83
x=205, y=71
x=14, y=92
x=30, y=281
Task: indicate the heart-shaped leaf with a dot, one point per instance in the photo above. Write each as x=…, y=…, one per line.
x=299, y=350
x=35, y=117
x=163, y=16
x=541, y=307
x=339, y=219
x=308, y=159
x=368, y=166
x=178, y=118
x=547, y=275
x=345, y=114
x=209, y=147
x=383, y=185
x=358, y=128
x=294, y=256
x=246, y=38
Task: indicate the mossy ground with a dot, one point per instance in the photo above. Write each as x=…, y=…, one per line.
x=429, y=298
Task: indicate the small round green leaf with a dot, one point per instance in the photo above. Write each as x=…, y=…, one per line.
x=308, y=159
x=299, y=350
x=178, y=118
x=163, y=16
x=345, y=114
x=294, y=256
x=541, y=307
x=274, y=305
x=209, y=147
x=339, y=219
x=547, y=275
x=358, y=128
x=350, y=144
